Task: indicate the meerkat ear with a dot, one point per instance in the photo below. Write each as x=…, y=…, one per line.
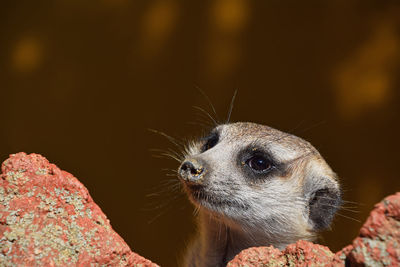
x=324, y=199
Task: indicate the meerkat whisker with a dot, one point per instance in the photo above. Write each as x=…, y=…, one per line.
x=344, y=209
x=208, y=101
x=166, y=154
x=200, y=123
x=204, y=119
x=169, y=169
x=169, y=151
x=348, y=208
x=228, y=119
x=173, y=140
x=347, y=217
x=207, y=114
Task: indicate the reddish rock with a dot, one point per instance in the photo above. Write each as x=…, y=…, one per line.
x=379, y=241
x=302, y=253
x=259, y=256
x=47, y=218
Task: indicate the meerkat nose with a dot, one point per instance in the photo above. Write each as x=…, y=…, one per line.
x=191, y=171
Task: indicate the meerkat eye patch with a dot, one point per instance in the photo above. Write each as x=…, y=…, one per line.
x=210, y=141
x=257, y=163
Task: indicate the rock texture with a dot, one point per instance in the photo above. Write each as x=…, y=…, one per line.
x=302, y=253
x=378, y=244
x=47, y=218
x=379, y=241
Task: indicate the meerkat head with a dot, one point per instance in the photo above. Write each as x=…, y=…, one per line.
x=261, y=180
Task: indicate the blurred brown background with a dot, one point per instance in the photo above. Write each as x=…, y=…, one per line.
x=81, y=82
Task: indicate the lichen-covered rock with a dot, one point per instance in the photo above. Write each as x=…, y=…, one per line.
x=47, y=218
x=377, y=245
x=379, y=241
x=302, y=253
x=259, y=256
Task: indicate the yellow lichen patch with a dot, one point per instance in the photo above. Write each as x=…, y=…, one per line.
x=41, y=171
x=16, y=178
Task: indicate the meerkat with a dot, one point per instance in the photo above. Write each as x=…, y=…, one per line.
x=255, y=186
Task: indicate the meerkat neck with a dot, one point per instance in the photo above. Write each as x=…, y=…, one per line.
x=217, y=243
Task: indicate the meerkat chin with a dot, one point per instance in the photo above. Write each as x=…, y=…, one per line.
x=255, y=186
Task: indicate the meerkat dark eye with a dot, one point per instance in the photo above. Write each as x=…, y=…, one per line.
x=259, y=163
x=211, y=141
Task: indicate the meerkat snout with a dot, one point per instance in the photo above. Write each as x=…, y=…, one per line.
x=255, y=186
x=192, y=171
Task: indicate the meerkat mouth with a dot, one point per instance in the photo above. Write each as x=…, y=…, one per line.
x=211, y=201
